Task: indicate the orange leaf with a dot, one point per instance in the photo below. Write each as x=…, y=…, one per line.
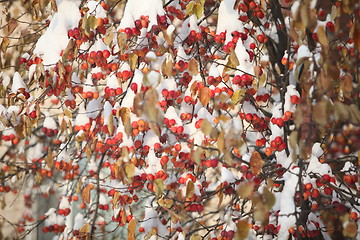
x=131, y=229
x=86, y=193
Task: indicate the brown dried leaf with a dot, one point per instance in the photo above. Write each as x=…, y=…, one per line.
x=110, y=125
x=53, y=5
x=124, y=114
x=49, y=159
x=115, y=199
x=236, y=5
x=347, y=84
x=133, y=61
x=322, y=36
x=168, y=39
x=190, y=189
x=260, y=209
x=167, y=68
x=221, y=141
x=243, y=229
x=245, y=189
x=234, y=61
x=356, y=35
x=196, y=237
x=256, y=163
x=69, y=48
x=221, y=198
x=130, y=171
x=4, y=44
x=350, y=230
x=12, y=24
x=86, y=193
x=121, y=40
x=196, y=155
x=108, y=39
x=324, y=81
x=193, y=66
x=85, y=229
x=204, y=95
x=341, y=112
x=269, y=198
x=322, y=112
x=206, y=127
x=131, y=229
x=354, y=114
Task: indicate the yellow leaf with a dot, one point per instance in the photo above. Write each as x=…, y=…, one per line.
x=256, y=163
x=204, y=95
x=198, y=10
x=159, y=186
x=91, y=21
x=68, y=113
x=238, y=96
x=190, y=189
x=85, y=229
x=189, y=8
x=169, y=203
x=193, y=66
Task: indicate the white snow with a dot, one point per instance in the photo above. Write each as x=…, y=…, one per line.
x=228, y=19
x=56, y=35
x=287, y=217
x=18, y=83
x=136, y=8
